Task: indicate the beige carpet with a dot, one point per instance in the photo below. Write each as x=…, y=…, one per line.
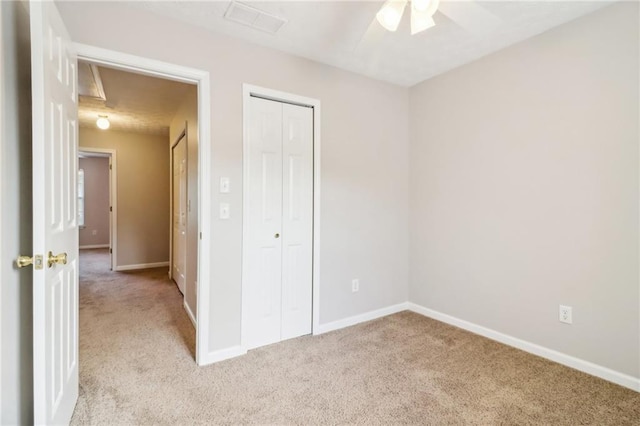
x=137, y=367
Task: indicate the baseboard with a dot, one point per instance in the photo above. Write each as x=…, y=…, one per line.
x=94, y=246
x=222, y=354
x=559, y=357
x=141, y=266
x=189, y=313
x=357, y=319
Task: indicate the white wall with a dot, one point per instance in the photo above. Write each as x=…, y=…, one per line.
x=16, y=347
x=524, y=190
x=364, y=157
x=96, y=202
x=142, y=163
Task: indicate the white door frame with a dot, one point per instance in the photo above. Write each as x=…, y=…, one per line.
x=248, y=91
x=113, y=198
x=152, y=67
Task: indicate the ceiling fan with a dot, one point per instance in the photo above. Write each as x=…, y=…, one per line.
x=421, y=14
x=469, y=15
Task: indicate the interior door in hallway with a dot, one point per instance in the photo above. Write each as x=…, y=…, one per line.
x=55, y=217
x=179, y=220
x=278, y=261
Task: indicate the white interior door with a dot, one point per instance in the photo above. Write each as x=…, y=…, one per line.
x=179, y=248
x=263, y=283
x=55, y=219
x=297, y=224
x=278, y=254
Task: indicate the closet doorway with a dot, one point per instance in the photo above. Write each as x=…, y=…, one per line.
x=278, y=238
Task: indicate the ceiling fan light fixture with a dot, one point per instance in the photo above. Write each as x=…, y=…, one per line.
x=432, y=7
x=420, y=21
x=391, y=14
x=420, y=5
x=103, y=122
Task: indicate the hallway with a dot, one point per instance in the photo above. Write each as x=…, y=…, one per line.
x=132, y=325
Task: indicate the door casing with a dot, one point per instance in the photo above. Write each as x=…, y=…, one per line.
x=113, y=198
x=200, y=78
x=261, y=92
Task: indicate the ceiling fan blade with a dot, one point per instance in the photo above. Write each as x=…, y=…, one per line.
x=372, y=37
x=470, y=15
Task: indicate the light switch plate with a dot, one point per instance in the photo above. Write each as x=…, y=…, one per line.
x=224, y=185
x=224, y=210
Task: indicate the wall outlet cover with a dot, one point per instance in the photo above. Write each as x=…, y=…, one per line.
x=565, y=314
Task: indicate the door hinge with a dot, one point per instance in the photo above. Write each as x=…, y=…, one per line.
x=110, y=250
x=110, y=167
x=201, y=235
x=110, y=208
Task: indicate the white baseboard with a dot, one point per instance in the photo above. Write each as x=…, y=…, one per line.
x=94, y=246
x=559, y=357
x=357, y=319
x=222, y=354
x=141, y=266
x=189, y=313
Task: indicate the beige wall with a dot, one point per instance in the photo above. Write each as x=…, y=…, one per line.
x=364, y=209
x=16, y=295
x=142, y=193
x=524, y=190
x=187, y=114
x=96, y=202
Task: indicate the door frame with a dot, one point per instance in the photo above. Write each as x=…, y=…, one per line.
x=113, y=197
x=155, y=68
x=249, y=90
x=181, y=135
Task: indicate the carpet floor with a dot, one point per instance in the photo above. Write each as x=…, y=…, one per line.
x=137, y=367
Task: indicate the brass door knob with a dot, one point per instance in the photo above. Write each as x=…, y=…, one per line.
x=59, y=259
x=277, y=235
x=23, y=261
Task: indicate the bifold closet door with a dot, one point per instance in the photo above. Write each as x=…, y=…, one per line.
x=297, y=220
x=277, y=287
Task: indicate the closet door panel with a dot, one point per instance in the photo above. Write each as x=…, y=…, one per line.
x=264, y=282
x=297, y=224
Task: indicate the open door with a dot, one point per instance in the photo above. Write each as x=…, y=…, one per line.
x=55, y=219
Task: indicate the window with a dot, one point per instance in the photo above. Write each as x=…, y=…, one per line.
x=81, y=197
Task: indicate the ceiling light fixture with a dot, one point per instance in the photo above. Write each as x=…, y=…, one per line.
x=391, y=14
x=421, y=14
x=103, y=122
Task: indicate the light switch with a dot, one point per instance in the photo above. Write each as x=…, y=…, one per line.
x=224, y=185
x=224, y=210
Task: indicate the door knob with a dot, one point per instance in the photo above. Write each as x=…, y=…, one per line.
x=23, y=261
x=59, y=259
x=277, y=235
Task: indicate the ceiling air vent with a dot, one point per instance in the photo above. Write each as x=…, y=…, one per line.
x=254, y=18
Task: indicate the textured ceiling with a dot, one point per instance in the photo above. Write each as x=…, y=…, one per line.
x=346, y=35
x=134, y=102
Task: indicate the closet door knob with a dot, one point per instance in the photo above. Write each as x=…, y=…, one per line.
x=277, y=235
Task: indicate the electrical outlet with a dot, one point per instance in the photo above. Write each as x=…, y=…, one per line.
x=565, y=314
x=355, y=285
